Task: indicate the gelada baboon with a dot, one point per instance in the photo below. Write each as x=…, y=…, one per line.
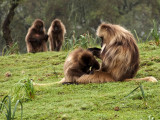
x=56, y=34
x=78, y=63
x=36, y=37
x=119, y=54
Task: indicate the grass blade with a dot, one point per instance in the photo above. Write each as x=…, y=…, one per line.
x=18, y=101
x=155, y=33
x=21, y=109
x=9, y=108
x=131, y=92
x=136, y=35
x=3, y=101
x=4, y=107
x=143, y=95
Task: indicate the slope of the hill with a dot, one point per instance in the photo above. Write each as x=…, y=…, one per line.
x=81, y=102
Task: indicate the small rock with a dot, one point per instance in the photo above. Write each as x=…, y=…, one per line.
x=40, y=79
x=116, y=108
x=8, y=74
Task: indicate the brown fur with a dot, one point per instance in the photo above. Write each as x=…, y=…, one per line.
x=119, y=54
x=36, y=37
x=95, y=51
x=56, y=34
x=77, y=64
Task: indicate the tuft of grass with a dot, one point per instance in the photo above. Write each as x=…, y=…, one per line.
x=145, y=37
x=24, y=89
x=137, y=36
x=86, y=40
x=155, y=33
x=14, y=49
x=7, y=109
x=142, y=91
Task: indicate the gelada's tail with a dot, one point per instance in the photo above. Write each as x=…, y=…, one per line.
x=48, y=84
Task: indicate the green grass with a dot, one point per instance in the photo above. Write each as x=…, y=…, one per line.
x=5, y=107
x=81, y=102
x=155, y=33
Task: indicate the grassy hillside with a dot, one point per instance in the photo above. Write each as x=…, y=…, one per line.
x=80, y=102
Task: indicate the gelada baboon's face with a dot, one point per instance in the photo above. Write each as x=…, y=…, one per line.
x=86, y=63
x=57, y=26
x=38, y=25
x=106, y=33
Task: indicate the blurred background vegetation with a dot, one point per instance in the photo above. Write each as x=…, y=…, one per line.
x=79, y=16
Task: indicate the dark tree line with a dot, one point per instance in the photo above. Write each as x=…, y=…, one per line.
x=79, y=16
